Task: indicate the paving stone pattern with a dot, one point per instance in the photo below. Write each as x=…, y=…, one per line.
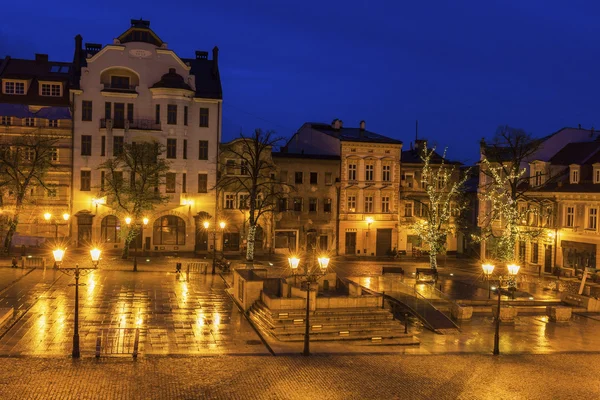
x=320, y=377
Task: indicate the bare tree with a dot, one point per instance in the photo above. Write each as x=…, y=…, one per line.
x=24, y=164
x=251, y=156
x=503, y=188
x=132, y=183
x=443, y=203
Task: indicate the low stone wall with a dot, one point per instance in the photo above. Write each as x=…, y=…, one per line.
x=578, y=300
x=507, y=313
x=461, y=312
x=559, y=313
x=349, y=302
x=283, y=303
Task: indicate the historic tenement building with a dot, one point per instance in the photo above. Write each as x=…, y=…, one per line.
x=137, y=89
x=369, y=183
x=306, y=216
x=34, y=101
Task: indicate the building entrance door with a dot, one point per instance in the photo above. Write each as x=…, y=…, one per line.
x=548, y=259
x=384, y=242
x=350, y=243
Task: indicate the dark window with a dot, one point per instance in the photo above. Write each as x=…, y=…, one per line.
x=298, y=177
x=132, y=179
x=118, y=179
x=157, y=114
x=203, y=150
x=169, y=230
x=171, y=148
x=297, y=203
x=102, y=178
x=108, y=110
x=230, y=167
x=111, y=227
x=313, y=178
x=119, y=115
x=117, y=145
x=244, y=168
x=86, y=181
x=172, y=114
x=103, y=146
x=185, y=114
x=130, y=112
x=184, y=183
x=327, y=205
x=119, y=82
x=185, y=149
x=312, y=204
x=202, y=183
x=534, y=253
x=204, y=117
x=171, y=177
x=282, y=204
x=231, y=241
x=86, y=145
x=86, y=110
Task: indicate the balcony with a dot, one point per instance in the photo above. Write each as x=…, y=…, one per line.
x=119, y=88
x=135, y=124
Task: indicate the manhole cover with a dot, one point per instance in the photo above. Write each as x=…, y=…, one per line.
x=253, y=342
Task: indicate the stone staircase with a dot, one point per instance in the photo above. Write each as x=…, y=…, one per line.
x=375, y=325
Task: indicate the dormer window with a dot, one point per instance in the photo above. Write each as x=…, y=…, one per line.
x=14, y=87
x=51, y=89
x=596, y=172
x=538, y=178
x=574, y=174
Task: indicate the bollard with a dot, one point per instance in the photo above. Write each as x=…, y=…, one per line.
x=178, y=267
x=405, y=322
x=98, y=346
x=383, y=300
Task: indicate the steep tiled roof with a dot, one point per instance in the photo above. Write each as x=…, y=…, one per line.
x=575, y=153
x=208, y=79
x=283, y=154
x=352, y=134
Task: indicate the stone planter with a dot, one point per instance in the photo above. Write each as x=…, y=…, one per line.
x=559, y=313
x=461, y=313
x=507, y=313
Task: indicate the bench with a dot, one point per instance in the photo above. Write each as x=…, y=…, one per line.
x=389, y=269
x=426, y=275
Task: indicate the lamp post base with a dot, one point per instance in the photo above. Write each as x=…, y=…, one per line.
x=76, y=353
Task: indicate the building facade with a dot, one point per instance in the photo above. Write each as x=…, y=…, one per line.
x=138, y=90
x=369, y=183
x=34, y=102
x=306, y=215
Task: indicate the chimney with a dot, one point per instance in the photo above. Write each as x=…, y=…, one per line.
x=201, y=55
x=336, y=124
x=40, y=58
x=362, y=125
x=77, y=55
x=579, y=126
x=215, y=67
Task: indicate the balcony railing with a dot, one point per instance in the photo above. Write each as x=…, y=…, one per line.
x=119, y=88
x=139, y=124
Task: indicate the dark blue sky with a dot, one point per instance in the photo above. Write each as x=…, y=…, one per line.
x=460, y=67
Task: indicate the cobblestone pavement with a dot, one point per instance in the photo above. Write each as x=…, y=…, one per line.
x=174, y=316
x=322, y=377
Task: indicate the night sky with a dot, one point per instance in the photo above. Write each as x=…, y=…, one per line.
x=460, y=67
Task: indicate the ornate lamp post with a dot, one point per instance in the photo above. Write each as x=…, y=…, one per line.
x=513, y=270
x=144, y=223
x=310, y=275
x=222, y=225
x=48, y=218
x=76, y=272
x=488, y=269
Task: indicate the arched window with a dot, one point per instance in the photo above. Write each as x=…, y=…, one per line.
x=169, y=230
x=111, y=229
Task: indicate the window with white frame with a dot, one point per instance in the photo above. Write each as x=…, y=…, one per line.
x=369, y=203
x=352, y=203
x=352, y=171
x=596, y=175
x=14, y=87
x=538, y=178
x=574, y=174
x=386, y=172
x=4, y=120
x=29, y=154
x=592, y=218
x=229, y=201
x=570, y=217
x=53, y=123
x=51, y=89
x=408, y=209
x=385, y=204
x=369, y=171
x=244, y=201
x=548, y=216
x=29, y=121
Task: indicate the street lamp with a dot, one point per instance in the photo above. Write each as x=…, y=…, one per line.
x=222, y=225
x=513, y=270
x=135, y=248
x=76, y=272
x=310, y=276
x=48, y=218
x=487, y=270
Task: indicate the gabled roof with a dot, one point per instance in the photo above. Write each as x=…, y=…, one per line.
x=575, y=153
x=352, y=134
x=140, y=32
x=283, y=154
x=36, y=71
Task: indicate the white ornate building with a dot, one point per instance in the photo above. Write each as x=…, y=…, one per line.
x=137, y=89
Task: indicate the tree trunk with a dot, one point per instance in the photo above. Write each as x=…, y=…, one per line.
x=250, y=247
x=12, y=228
x=432, y=259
